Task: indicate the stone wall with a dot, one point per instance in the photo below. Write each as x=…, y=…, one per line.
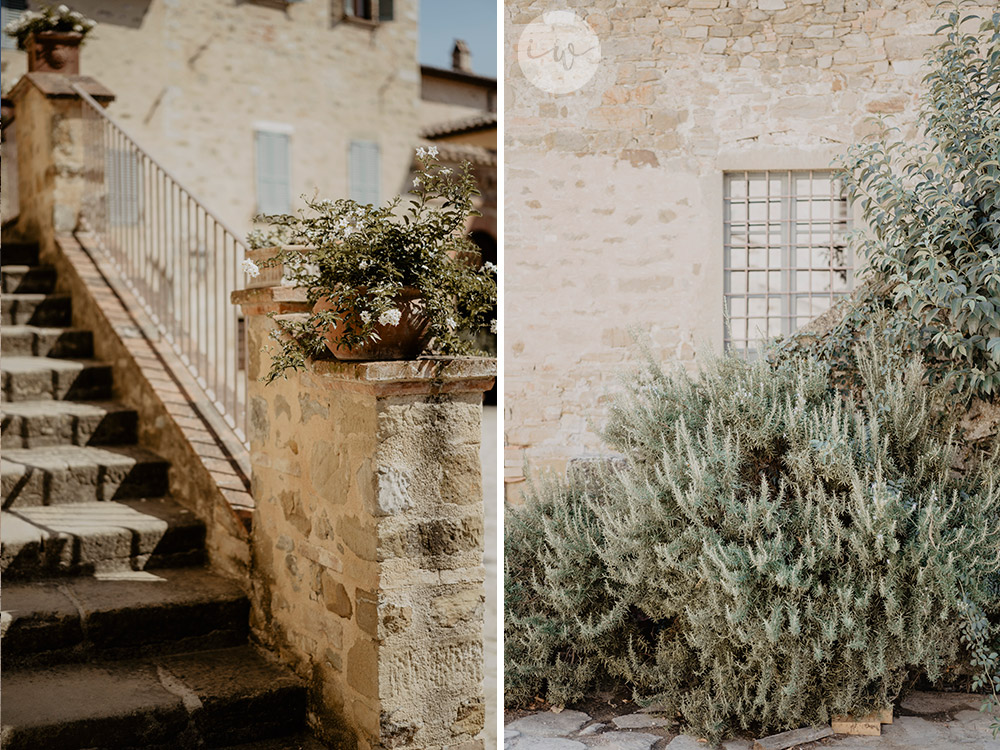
x=614, y=192
x=193, y=78
x=368, y=539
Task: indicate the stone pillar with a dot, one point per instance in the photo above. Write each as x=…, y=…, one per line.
x=368, y=537
x=50, y=159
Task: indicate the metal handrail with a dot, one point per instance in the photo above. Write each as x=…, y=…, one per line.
x=176, y=255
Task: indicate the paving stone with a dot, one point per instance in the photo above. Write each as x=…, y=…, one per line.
x=546, y=743
x=74, y=474
x=37, y=341
x=34, y=378
x=686, y=742
x=509, y=734
x=622, y=741
x=737, y=745
x=640, y=721
x=550, y=724
x=591, y=729
x=36, y=424
x=36, y=309
x=98, y=537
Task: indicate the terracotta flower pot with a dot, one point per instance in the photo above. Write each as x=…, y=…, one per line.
x=54, y=52
x=405, y=340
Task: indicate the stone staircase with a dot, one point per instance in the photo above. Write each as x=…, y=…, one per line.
x=114, y=635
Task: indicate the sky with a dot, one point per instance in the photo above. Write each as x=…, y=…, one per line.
x=444, y=21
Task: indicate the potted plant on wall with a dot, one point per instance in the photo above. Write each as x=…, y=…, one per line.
x=384, y=282
x=52, y=38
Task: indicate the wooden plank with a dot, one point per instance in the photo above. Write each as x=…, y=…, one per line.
x=885, y=716
x=792, y=738
x=868, y=726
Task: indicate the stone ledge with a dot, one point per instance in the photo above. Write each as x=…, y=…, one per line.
x=434, y=375
x=59, y=86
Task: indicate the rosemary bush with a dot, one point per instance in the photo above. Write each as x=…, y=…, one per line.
x=771, y=554
x=363, y=257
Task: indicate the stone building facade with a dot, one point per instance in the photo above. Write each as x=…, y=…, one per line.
x=229, y=95
x=623, y=197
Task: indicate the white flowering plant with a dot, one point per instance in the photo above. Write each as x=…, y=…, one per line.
x=364, y=258
x=50, y=18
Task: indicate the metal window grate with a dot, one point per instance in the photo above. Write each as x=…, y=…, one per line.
x=786, y=255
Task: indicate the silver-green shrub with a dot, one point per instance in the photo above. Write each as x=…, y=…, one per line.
x=772, y=553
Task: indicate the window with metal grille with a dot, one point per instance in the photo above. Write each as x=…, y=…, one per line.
x=365, y=168
x=10, y=11
x=786, y=255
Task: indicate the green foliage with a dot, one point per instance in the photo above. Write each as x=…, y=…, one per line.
x=772, y=553
x=50, y=18
x=363, y=257
x=933, y=213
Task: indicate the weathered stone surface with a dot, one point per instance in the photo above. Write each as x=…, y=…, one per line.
x=530, y=742
x=622, y=741
x=33, y=378
x=99, y=536
x=685, y=742
x=640, y=721
x=550, y=724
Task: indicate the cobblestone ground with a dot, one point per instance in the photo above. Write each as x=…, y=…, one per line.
x=488, y=456
x=923, y=721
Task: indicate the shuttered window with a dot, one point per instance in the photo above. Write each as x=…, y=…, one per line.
x=273, y=172
x=365, y=166
x=10, y=11
x=123, y=175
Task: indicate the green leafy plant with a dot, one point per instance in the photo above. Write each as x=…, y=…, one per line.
x=771, y=554
x=933, y=215
x=50, y=18
x=363, y=258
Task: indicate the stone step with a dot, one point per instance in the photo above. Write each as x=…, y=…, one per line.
x=35, y=341
x=37, y=378
x=36, y=309
x=191, y=700
x=297, y=741
x=62, y=474
x=27, y=279
x=98, y=537
x=121, y=615
x=19, y=254
x=35, y=424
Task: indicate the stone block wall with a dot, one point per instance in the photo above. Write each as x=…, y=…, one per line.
x=368, y=539
x=614, y=192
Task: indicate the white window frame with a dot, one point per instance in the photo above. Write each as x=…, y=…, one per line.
x=787, y=277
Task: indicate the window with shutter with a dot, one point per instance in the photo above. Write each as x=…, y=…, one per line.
x=123, y=176
x=10, y=11
x=365, y=167
x=273, y=172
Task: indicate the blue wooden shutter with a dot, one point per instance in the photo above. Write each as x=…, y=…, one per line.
x=365, y=168
x=10, y=11
x=273, y=173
